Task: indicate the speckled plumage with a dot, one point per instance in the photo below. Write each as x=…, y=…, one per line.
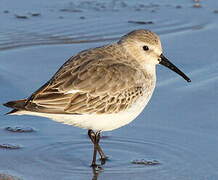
x=103, y=82
x=107, y=80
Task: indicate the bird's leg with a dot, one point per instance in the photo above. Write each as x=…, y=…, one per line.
x=100, y=151
x=95, y=138
x=94, y=157
x=92, y=136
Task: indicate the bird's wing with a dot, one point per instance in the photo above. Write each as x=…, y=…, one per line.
x=86, y=86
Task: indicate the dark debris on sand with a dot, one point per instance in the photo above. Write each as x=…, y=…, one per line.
x=71, y=10
x=178, y=6
x=19, y=129
x=145, y=162
x=21, y=16
x=141, y=22
x=215, y=11
x=8, y=177
x=6, y=11
x=9, y=146
x=35, y=14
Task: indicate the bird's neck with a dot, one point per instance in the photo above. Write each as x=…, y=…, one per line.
x=150, y=69
x=150, y=74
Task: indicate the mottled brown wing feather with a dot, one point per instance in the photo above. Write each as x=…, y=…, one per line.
x=86, y=84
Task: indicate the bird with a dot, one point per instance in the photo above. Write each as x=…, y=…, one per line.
x=101, y=89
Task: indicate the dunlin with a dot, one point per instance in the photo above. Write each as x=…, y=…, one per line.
x=101, y=89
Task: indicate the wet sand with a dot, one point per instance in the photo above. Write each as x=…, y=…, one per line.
x=178, y=128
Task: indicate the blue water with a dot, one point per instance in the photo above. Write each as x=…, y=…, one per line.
x=179, y=126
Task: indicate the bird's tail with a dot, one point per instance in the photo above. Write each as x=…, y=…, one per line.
x=16, y=105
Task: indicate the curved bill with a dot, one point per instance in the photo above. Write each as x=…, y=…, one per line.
x=165, y=62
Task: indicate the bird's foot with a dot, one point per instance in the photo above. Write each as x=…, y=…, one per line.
x=96, y=167
x=103, y=160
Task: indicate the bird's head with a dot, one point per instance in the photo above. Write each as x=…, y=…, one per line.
x=145, y=47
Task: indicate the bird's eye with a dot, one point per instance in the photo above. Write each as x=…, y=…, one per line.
x=145, y=48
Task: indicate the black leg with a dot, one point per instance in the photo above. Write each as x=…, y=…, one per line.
x=95, y=138
x=94, y=157
x=100, y=151
x=92, y=136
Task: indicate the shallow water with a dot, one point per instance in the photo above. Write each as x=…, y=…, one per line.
x=179, y=126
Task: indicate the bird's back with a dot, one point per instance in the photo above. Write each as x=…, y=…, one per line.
x=95, y=81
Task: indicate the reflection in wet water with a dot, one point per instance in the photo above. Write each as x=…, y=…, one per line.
x=74, y=156
x=96, y=172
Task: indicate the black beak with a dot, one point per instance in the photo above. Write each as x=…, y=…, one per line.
x=165, y=62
